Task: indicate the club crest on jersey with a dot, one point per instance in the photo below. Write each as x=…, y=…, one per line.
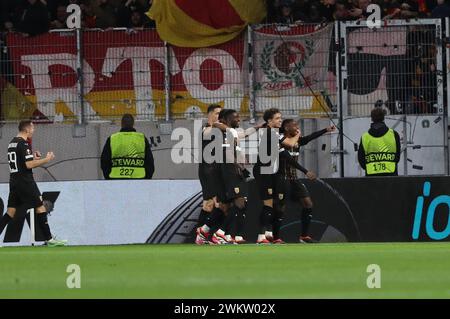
x=28, y=151
x=280, y=196
x=237, y=190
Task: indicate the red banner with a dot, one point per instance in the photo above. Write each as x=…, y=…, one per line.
x=123, y=72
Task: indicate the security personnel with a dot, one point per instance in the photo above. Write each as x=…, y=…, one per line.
x=379, y=148
x=127, y=154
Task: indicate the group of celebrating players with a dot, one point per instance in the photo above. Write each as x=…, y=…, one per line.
x=223, y=181
x=223, y=214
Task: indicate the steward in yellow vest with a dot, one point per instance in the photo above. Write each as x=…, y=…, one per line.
x=379, y=148
x=127, y=154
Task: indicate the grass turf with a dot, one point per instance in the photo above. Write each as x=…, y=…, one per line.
x=408, y=270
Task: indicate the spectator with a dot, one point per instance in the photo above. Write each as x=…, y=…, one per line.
x=442, y=10
x=409, y=9
x=61, y=17
x=379, y=148
x=327, y=8
x=52, y=7
x=105, y=14
x=390, y=9
x=314, y=13
x=10, y=14
x=126, y=10
x=139, y=20
x=359, y=12
x=423, y=9
x=285, y=12
x=341, y=11
x=127, y=154
x=88, y=18
x=35, y=18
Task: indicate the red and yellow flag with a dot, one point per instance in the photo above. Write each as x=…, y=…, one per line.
x=203, y=23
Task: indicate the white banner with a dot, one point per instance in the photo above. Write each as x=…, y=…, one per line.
x=288, y=66
x=108, y=212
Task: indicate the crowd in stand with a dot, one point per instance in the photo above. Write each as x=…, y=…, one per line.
x=415, y=77
x=317, y=11
x=32, y=17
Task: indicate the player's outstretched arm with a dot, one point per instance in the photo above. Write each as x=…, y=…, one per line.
x=306, y=139
x=39, y=162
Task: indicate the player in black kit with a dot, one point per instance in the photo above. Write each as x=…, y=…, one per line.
x=234, y=176
x=22, y=187
x=294, y=188
x=213, y=212
x=272, y=148
x=207, y=170
x=228, y=184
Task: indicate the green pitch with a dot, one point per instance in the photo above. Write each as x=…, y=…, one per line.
x=418, y=270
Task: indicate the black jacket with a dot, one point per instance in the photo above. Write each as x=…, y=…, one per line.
x=106, y=158
x=378, y=130
x=35, y=19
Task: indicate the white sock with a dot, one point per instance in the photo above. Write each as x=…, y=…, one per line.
x=261, y=237
x=228, y=237
x=238, y=238
x=269, y=234
x=205, y=228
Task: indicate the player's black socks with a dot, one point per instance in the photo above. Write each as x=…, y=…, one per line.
x=306, y=221
x=277, y=222
x=202, y=218
x=215, y=219
x=43, y=223
x=266, y=218
x=4, y=221
x=228, y=222
x=240, y=221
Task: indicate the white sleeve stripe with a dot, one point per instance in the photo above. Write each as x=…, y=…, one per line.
x=29, y=156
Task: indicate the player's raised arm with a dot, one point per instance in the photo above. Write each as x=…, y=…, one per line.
x=308, y=138
x=33, y=163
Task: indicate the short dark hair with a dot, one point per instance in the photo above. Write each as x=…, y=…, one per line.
x=24, y=124
x=377, y=115
x=226, y=113
x=285, y=123
x=270, y=113
x=127, y=121
x=212, y=107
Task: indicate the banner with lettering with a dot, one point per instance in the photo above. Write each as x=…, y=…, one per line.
x=121, y=72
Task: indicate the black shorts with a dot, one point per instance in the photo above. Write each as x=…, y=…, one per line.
x=234, y=182
x=270, y=186
x=24, y=193
x=296, y=190
x=211, y=181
